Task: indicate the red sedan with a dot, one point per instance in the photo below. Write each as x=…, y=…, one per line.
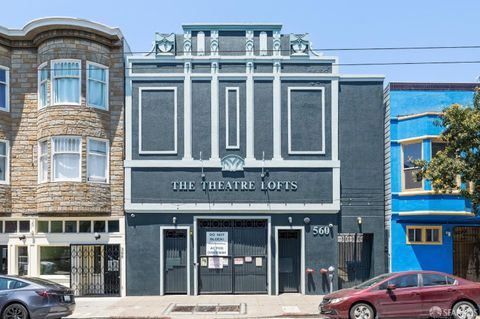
x=412, y=294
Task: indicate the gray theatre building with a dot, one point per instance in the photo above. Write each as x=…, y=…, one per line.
x=252, y=165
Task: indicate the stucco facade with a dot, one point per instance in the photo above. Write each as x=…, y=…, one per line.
x=242, y=135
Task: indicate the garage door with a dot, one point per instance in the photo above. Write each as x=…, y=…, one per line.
x=232, y=256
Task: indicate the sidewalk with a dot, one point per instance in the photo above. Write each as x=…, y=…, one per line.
x=205, y=306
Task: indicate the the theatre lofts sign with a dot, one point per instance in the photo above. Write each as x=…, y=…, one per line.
x=236, y=185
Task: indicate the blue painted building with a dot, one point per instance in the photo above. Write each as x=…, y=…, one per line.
x=428, y=230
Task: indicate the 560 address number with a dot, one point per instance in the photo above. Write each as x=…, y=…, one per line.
x=321, y=230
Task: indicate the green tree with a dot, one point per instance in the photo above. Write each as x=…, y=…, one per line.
x=461, y=156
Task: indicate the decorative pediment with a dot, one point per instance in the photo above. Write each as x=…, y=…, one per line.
x=165, y=43
x=233, y=163
x=299, y=44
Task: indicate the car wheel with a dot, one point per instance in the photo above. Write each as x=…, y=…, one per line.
x=464, y=310
x=15, y=311
x=362, y=311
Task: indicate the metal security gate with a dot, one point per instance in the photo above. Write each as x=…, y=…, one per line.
x=95, y=270
x=466, y=252
x=289, y=260
x=242, y=267
x=175, y=261
x=354, y=258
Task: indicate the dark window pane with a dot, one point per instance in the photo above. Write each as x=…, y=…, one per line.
x=407, y=281
x=71, y=226
x=56, y=226
x=24, y=226
x=113, y=226
x=22, y=261
x=55, y=260
x=9, y=284
x=98, y=256
x=437, y=147
x=42, y=226
x=10, y=226
x=1, y=226
x=432, y=235
x=99, y=226
x=85, y=226
x=414, y=235
x=433, y=280
x=411, y=152
x=3, y=260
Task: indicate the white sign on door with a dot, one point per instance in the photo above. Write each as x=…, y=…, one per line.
x=217, y=244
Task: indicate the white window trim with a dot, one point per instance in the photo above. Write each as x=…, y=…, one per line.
x=175, y=125
x=229, y=146
x=305, y=88
x=52, y=154
x=7, y=163
x=7, y=89
x=40, y=82
x=52, y=80
x=107, y=166
x=107, y=81
x=39, y=154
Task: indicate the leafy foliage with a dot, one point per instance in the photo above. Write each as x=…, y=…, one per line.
x=461, y=157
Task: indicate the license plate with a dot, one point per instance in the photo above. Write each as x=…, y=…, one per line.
x=67, y=298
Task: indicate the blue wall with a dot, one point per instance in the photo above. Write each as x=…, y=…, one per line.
x=426, y=257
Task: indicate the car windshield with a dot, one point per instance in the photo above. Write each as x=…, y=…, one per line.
x=372, y=282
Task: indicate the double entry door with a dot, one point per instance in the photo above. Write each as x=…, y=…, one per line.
x=232, y=256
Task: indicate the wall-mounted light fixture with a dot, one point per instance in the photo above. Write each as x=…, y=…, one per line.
x=359, y=220
x=132, y=215
x=174, y=220
x=97, y=236
x=290, y=220
x=22, y=237
x=306, y=220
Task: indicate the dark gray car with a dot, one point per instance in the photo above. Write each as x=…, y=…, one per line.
x=34, y=298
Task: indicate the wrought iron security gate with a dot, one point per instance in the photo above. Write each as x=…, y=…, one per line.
x=244, y=268
x=466, y=252
x=175, y=261
x=354, y=258
x=95, y=270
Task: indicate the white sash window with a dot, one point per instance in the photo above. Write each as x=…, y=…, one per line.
x=43, y=162
x=97, y=160
x=43, y=86
x=97, y=85
x=4, y=90
x=67, y=158
x=66, y=81
x=4, y=149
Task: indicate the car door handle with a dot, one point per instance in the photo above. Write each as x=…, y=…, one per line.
x=415, y=294
x=451, y=290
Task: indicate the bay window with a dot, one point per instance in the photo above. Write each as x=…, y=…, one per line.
x=411, y=152
x=43, y=161
x=97, y=160
x=66, y=82
x=4, y=89
x=4, y=161
x=66, y=158
x=43, y=85
x=97, y=85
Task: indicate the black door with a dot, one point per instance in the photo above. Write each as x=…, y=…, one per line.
x=289, y=260
x=95, y=270
x=175, y=261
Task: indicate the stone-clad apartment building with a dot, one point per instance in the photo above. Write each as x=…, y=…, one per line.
x=61, y=153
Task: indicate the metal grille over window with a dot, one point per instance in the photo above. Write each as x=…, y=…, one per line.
x=66, y=82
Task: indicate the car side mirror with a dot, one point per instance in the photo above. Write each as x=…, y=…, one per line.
x=391, y=287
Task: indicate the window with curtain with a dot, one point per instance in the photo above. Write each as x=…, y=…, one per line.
x=97, y=86
x=43, y=86
x=66, y=155
x=66, y=81
x=97, y=160
x=3, y=89
x=43, y=161
x=3, y=161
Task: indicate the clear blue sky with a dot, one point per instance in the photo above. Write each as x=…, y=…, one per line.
x=331, y=24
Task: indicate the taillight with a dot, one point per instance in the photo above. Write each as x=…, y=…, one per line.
x=42, y=293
